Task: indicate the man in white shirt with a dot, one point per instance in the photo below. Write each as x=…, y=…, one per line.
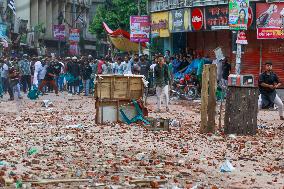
x=38, y=68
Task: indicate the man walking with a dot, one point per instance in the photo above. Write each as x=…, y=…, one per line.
x=162, y=82
x=25, y=71
x=268, y=83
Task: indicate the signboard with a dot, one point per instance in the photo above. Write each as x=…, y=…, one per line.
x=179, y=20
x=242, y=39
x=59, y=32
x=238, y=14
x=3, y=30
x=269, y=20
x=217, y=17
x=270, y=33
x=74, y=35
x=139, y=29
x=73, y=48
x=197, y=19
x=160, y=24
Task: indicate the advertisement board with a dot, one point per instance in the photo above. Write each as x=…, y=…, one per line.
x=59, y=32
x=74, y=35
x=3, y=30
x=179, y=20
x=217, y=17
x=238, y=14
x=269, y=20
x=139, y=28
x=160, y=24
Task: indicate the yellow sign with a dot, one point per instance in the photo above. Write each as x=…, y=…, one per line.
x=160, y=24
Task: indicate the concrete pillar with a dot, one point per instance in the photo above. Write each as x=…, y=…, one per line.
x=34, y=13
x=42, y=12
x=49, y=13
x=55, y=11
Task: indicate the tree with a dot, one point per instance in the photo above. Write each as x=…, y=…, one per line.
x=116, y=13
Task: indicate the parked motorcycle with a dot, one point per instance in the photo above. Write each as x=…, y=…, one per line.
x=186, y=88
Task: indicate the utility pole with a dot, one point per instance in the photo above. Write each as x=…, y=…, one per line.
x=139, y=14
x=74, y=14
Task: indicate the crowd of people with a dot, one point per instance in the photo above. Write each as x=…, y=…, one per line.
x=76, y=75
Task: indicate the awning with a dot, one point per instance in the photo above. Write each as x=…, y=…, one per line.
x=121, y=40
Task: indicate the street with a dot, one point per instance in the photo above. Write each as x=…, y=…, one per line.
x=62, y=142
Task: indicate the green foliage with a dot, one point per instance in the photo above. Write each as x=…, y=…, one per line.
x=116, y=14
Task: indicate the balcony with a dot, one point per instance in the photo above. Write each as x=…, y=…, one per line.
x=160, y=5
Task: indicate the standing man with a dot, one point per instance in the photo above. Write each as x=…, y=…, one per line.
x=49, y=78
x=162, y=82
x=144, y=67
x=13, y=82
x=25, y=71
x=86, y=73
x=5, y=75
x=268, y=83
x=226, y=70
x=37, y=69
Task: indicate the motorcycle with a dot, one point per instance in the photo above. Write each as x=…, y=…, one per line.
x=186, y=88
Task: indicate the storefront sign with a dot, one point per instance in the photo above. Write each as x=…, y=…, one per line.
x=74, y=35
x=238, y=14
x=73, y=48
x=3, y=30
x=197, y=19
x=270, y=20
x=160, y=24
x=59, y=32
x=139, y=28
x=242, y=39
x=217, y=17
x=179, y=20
x=270, y=33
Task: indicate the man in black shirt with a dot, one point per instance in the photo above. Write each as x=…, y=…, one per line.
x=268, y=83
x=49, y=78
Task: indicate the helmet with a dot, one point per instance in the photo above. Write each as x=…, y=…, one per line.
x=187, y=77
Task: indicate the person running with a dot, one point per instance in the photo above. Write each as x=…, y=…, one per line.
x=49, y=77
x=268, y=83
x=162, y=82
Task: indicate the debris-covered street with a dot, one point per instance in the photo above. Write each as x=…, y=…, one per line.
x=60, y=146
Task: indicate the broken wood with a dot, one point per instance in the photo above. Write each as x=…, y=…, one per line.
x=208, y=99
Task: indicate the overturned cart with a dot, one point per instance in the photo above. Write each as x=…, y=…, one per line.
x=113, y=92
x=119, y=99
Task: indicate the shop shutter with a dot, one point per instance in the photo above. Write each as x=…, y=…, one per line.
x=273, y=50
x=251, y=56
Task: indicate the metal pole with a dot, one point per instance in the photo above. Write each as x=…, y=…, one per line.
x=59, y=47
x=238, y=59
x=74, y=14
x=139, y=14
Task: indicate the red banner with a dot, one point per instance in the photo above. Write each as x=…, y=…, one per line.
x=270, y=33
x=269, y=20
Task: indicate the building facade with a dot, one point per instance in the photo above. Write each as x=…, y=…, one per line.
x=202, y=26
x=40, y=17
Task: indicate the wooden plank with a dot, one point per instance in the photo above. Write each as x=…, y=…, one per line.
x=211, y=109
x=204, y=98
